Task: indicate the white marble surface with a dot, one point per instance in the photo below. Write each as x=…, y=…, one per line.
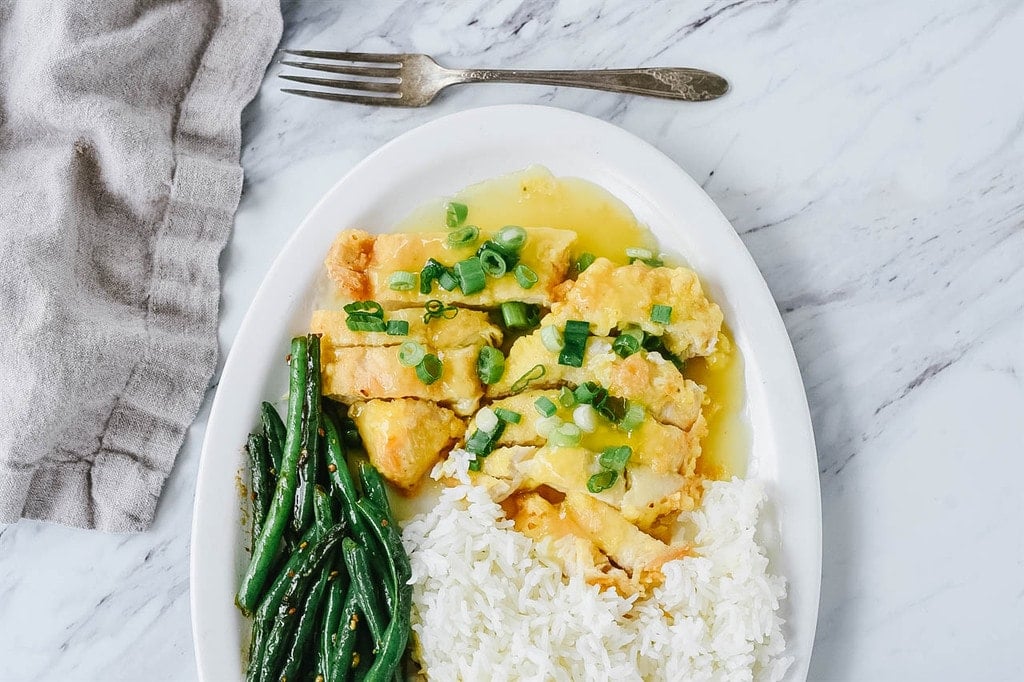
x=871, y=156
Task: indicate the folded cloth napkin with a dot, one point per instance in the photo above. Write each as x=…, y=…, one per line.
x=119, y=179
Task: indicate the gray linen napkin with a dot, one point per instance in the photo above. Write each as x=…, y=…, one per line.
x=119, y=179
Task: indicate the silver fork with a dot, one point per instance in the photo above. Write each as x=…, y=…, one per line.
x=413, y=80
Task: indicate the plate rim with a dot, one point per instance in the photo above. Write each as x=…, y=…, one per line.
x=790, y=367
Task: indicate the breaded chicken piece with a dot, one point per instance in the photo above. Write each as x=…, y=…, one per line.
x=642, y=495
x=537, y=518
x=610, y=296
x=360, y=264
x=404, y=438
x=662, y=447
x=629, y=547
x=646, y=378
x=355, y=374
x=468, y=328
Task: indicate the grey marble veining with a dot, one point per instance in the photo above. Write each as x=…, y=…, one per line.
x=870, y=155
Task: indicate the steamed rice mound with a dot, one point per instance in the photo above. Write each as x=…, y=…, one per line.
x=489, y=604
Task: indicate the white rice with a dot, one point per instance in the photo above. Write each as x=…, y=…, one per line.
x=490, y=605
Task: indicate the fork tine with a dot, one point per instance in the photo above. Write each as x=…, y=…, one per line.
x=370, y=71
x=366, y=86
x=357, y=99
x=370, y=57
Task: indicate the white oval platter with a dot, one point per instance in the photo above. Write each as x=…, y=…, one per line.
x=438, y=159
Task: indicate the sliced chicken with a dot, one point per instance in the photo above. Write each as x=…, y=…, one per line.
x=468, y=328
x=360, y=264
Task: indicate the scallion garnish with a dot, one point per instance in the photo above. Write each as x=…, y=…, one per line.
x=633, y=418
x=447, y=281
x=545, y=407
x=601, y=481
x=492, y=262
x=589, y=392
x=644, y=256
x=490, y=365
x=615, y=458
x=519, y=315
x=575, y=343
x=464, y=236
x=625, y=345
x=662, y=314
x=365, y=307
x=398, y=328
x=612, y=408
x=567, y=435
x=471, y=275
x=508, y=416
x=566, y=397
x=584, y=261
x=526, y=276
x=430, y=272
x=402, y=281
x=482, y=443
x=455, y=213
x=551, y=338
x=411, y=353
x=435, y=308
x=533, y=374
x=364, y=322
x=429, y=369
x=511, y=237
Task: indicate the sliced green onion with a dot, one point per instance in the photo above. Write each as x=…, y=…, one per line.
x=508, y=416
x=493, y=262
x=575, y=335
x=644, y=256
x=615, y=458
x=526, y=276
x=588, y=392
x=463, y=236
x=402, y=281
x=585, y=417
x=447, y=281
x=567, y=435
x=490, y=365
x=455, y=213
x=566, y=397
x=411, y=353
x=633, y=418
x=430, y=368
x=474, y=464
x=519, y=315
x=547, y=425
x=486, y=419
x=365, y=322
x=584, y=261
x=430, y=272
x=551, y=338
x=398, y=328
x=602, y=481
x=433, y=308
x=662, y=314
x=545, y=407
x=533, y=374
x=371, y=308
x=625, y=345
x=471, y=275
x=482, y=443
x=612, y=408
x=511, y=237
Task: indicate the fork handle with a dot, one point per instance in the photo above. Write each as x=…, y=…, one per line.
x=694, y=85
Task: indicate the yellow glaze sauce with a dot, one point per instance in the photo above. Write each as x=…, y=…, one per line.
x=606, y=227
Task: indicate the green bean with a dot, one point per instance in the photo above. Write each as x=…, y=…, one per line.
x=259, y=480
x=341, y=660
x=323, y=512
x=374, y=488
x=329, y=625
x=341, y=478
x=285, y=622
x=397, y=635
x=303, y=511
x=304, y=628
x=366, y=592
x=264, y=616
x=266, y=545
x=275, y=431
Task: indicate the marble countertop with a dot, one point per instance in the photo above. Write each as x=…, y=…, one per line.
x=871, y=157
